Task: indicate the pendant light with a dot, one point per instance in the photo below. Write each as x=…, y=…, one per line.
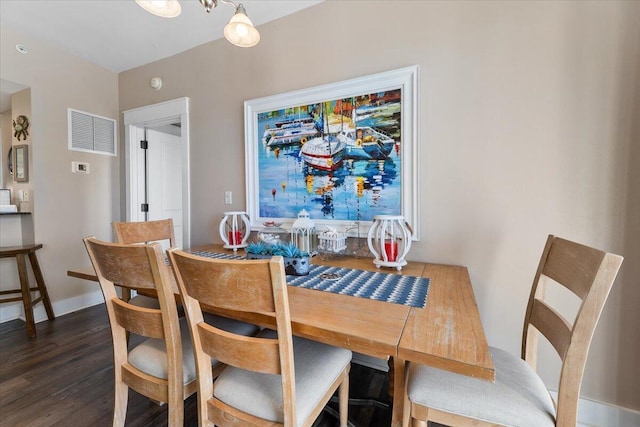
x=163, y=8
x=240, y=30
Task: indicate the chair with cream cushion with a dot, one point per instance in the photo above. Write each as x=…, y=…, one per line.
x=162, y=367
x=144, y=232
x=162, y=231
x=519, y=397
x=271, y=379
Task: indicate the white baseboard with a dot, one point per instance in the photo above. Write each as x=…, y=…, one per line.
x=592, y=413
x=15, y=311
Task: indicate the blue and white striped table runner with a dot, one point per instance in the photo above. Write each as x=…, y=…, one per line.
x=379, y=286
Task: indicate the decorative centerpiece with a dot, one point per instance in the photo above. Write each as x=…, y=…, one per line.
x=389, y=241
x=296, y=262
x=234, y=230
x=332, y=241
x=303, y=233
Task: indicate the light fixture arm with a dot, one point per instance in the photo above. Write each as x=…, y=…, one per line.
x=230, y=2
x=209, y=4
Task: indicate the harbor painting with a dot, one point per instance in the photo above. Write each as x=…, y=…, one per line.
x=340, y=158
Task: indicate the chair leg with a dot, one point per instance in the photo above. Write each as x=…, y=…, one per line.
x=176, y=414
x=406, y=410
x=26, y=295
x=120, y=405
x=126, y=294
x=35, y=266
x=344, y=400
x=176, y=402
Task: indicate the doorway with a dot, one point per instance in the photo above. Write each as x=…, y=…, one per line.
x=159, y=175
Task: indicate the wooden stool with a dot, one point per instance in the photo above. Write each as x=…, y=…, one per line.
x=20, y=252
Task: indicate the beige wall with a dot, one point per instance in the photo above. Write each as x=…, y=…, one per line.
x=67, y=207
x=21, y=106
x=529, y=126
x=6, y=129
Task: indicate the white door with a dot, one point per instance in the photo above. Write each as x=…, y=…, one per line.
x=167, y=165
x=164, y=179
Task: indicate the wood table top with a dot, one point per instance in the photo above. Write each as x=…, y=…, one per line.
x=448, y=333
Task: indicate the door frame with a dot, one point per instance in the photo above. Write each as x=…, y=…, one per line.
x=151, y=116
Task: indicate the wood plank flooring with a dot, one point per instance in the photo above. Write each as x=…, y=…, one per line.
x=64, y=377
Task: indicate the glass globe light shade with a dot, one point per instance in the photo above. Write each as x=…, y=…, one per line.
x=240, y=30
x=163, y=8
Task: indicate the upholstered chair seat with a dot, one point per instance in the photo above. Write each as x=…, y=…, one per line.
x=529, y=402
x=150, y=356
x=317, y=366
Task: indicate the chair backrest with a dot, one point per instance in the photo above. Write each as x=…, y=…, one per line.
x=140, y=267
x=256, y=286
x=589, y=273
x=145, y=232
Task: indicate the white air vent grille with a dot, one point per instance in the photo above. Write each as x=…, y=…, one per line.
x=88, y=132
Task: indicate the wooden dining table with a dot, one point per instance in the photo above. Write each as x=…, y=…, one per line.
x=447, y=333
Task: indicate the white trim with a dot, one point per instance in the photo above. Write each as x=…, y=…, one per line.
x=158, y=114
x=60, y=308
x=592, y=413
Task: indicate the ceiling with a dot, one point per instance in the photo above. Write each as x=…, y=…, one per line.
x=120, y=35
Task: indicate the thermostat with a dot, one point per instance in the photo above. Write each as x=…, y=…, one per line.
x=80, y=167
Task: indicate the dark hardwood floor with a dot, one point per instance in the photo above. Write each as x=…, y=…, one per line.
x=64, y=377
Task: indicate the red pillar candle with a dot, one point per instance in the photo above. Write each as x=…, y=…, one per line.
x=235, y=237
x=391, y=249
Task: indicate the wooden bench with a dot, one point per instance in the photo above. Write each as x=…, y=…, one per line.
x=20, y=253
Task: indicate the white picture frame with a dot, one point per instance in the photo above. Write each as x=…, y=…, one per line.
x=403, y=81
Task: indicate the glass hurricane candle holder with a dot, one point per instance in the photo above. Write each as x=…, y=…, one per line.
x=389, y=241
x=234, y=230
x=303, y=233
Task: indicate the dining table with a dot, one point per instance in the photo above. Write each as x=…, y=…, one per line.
x=445, y=333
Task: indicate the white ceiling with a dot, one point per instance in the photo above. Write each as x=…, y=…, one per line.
x=120, y=35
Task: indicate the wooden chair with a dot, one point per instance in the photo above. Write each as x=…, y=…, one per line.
x=144, y=232
x=518, y=396
x=272, y=379
x=162, y=367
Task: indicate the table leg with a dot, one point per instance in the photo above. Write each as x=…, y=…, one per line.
x=396, y=383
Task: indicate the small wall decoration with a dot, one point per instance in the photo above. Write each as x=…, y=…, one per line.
x=21, y=163
x=21, y=127
x=343, y=152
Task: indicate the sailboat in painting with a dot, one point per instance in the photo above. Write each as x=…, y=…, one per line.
x=324, y=152
x=366, y=143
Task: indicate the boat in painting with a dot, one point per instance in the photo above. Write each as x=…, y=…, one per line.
x=366, y=143
x=290, y=132
x=323, y=152
x=301, y=121
x=386, y=115
x=288, y=136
